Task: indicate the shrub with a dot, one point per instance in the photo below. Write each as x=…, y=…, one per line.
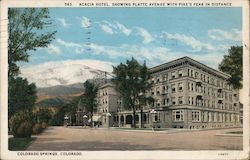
x=37, y=128
x=44, y=125
x=24, y=130
x=21, y=124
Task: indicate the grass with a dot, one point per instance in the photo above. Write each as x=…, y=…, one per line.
x=19, y=144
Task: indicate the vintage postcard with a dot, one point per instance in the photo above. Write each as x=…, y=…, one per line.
x=115, y=79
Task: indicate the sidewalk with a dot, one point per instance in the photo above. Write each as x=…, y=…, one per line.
x=222, y=131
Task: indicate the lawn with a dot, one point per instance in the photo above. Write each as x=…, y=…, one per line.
x=19, y=144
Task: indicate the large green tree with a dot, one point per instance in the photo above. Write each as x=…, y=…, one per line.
x=90, y=94
x=131, y=80
x=28, y=30
x=21, y=95
x=232, y=64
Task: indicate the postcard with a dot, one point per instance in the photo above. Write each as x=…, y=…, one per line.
x=113, y=79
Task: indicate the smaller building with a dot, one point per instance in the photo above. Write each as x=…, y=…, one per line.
x=83, y=118
x=107, y=98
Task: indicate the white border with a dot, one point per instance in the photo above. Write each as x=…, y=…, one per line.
x=5, y=154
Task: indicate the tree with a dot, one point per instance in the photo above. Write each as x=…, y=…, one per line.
x=90, y=94
x=21, y=95
x=21, y=123
x=232, y=64
x=131, y=80
x=27, y=32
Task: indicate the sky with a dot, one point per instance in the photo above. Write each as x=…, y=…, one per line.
x=154, y=35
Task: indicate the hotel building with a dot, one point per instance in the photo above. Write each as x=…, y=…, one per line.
x=187, y=94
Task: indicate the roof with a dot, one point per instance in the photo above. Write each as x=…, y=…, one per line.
x=191, y=61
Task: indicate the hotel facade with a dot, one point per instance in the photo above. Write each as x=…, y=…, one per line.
x=187, y=94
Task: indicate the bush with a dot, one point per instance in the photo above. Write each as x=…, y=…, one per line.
x=44, y=125
x=24, y=130
x=37, y=128
x=21, y=124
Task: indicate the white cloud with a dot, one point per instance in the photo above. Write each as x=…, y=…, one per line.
x=195, y=44
x=114, y=28
x=107, y=29
x=85, y=22
x=147, y=38
x=220, y=35
x=67, y=44
x=78, y=48
x=124, y=29
x=63, y=22
x=52, y=49
x=151, y=55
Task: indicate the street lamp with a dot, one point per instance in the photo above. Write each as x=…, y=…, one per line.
x=84, y=120
x=66, y=118
x=108, y=115
x=153, y=112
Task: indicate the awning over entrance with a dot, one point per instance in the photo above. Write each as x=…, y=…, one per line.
x=97, y=118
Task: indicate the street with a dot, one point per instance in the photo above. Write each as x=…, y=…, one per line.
x=78, y=138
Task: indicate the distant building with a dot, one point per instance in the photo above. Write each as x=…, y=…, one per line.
x=187, y=93
x=82, y=116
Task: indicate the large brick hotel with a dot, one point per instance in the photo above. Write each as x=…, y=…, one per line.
x=187, y=94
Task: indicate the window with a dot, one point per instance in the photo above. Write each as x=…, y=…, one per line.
x=165, y=77
x=212, y=81
x=158, y=90
x=180, y=86
x=152, y=80
x=180, y=73
x=158, y=79
x=173, y=75
x=158, y=102
x=196, y=116
x=180, y=100
x=178, y=115
x=196, y=75
x=173, y=87
x=192, y=73
x=189, y=100
x=167, y=102
x=173, y=101
x=152, y=91
x=230, y=97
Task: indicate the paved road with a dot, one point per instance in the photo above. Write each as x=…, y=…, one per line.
x=77, y=138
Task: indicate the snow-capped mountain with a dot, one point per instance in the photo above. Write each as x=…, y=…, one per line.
x=65, y=72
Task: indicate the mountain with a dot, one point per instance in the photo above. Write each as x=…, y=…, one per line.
x=61, y=90
x=65, y=73
x=59, y=82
